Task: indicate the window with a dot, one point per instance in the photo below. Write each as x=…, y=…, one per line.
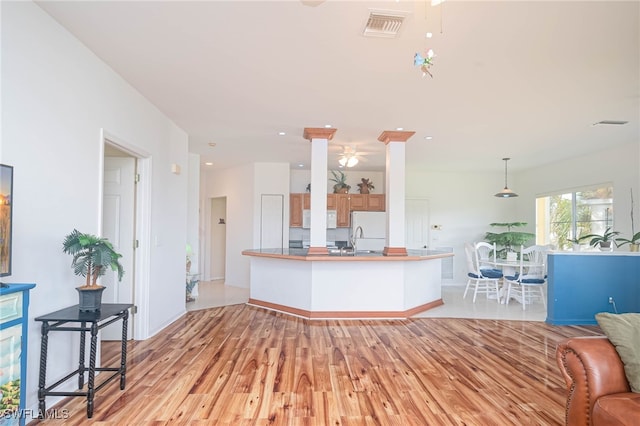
x=562, y=217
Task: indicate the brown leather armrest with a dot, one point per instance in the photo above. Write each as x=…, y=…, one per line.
x=591, y=368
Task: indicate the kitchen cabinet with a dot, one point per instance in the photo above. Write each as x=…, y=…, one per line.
x=358, y=202
x=376, y=203
x=367, y=203
x=343, y=219
x=344, y=204
x=296, y=203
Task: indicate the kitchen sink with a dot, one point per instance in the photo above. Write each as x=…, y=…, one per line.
x=350, y=252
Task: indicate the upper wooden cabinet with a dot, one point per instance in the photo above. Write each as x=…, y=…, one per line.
x=358, y=202
x=344, y=204
x=376, y=203
x=343, y=219
x=296, y=203
x=367, y=202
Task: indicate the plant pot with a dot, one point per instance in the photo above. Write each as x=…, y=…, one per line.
x=90, y=298
x=634, y=247
x=605, y=245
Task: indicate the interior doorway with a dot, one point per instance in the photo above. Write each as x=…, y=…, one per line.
x=218, y=238
x=118, y=225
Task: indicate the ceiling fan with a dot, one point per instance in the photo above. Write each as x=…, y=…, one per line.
x=349, y=157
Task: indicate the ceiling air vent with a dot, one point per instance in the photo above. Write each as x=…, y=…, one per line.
x=610, y=122
x=384, y=23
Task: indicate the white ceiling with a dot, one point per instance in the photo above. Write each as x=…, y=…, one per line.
x=525, y=80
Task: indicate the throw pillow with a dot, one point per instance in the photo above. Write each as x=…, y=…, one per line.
x=623, y=330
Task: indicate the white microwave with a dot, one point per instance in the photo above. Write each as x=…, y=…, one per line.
x=332, y=219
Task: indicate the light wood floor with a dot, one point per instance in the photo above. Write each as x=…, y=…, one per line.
x=241, y=365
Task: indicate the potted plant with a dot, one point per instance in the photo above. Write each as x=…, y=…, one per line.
x=604, y=240
x=92, y=256
x=508, y=239
x=340, y=180
x=365, y=186
x=577, y=242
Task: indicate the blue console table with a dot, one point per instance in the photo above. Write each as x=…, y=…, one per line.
x=580, y=285
x=14, y=325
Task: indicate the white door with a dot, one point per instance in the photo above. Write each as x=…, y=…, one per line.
x=118, y=226
x=417, y=223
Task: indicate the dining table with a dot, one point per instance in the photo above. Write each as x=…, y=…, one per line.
x=508, y=268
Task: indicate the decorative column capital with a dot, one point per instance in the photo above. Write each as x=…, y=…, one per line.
x=395, y=136
x=318, y=133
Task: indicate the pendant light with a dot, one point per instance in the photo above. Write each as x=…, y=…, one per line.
x=506, y=192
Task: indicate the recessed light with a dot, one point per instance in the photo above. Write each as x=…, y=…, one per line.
x=208, y=163
x=327, y=126
x=399, y=128
x=300, y=165
x=428, y=137
x=281, y=133
x=429, y=35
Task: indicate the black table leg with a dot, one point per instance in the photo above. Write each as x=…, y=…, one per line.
x=43, y=369
x=123, y=352
x=92, y=368
x=81, y=367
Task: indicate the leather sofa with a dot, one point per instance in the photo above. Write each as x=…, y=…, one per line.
x=598, y=390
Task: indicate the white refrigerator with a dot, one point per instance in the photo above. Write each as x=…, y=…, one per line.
x=374, y=230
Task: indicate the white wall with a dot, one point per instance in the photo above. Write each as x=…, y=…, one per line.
x=56, y=98
x=193, y=211
x=618, y=165
x=273, y=179
x=242, y=187
x=236, y=184
x=464, y=205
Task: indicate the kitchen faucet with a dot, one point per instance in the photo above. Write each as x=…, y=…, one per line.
x=354, y=238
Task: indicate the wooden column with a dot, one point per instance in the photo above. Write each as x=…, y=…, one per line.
x=395, y=187
x=319, y=138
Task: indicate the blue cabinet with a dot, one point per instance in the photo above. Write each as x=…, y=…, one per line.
x=580, y=285
x=14, y=309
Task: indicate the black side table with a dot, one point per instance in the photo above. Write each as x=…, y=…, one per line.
x=89, y=321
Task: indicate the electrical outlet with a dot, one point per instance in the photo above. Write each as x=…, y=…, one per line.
x=610, y=299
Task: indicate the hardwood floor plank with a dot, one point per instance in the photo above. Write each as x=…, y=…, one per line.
x=242, y=365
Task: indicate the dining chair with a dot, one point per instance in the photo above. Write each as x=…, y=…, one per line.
x=481, y=276
x=527, y=283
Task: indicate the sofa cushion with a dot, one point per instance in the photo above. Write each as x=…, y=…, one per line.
x=623, y=330
x=617, y=409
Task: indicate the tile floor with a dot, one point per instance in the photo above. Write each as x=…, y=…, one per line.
x=214, y=293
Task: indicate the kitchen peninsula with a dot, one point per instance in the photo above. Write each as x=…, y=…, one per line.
x=365, y=285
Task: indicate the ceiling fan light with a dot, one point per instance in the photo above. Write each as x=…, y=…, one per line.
x=342, y=161
x=352, y=161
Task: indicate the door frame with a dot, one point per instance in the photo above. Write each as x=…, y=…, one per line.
x=142, y=255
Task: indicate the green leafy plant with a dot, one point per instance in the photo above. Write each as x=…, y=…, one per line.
x=635, y=239
x=507, y=240
x=92, y=256
x=340, y=180
x=603, y=240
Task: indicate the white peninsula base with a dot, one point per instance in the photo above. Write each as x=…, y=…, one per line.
x=346, y=287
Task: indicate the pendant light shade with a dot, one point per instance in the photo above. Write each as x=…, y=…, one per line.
x=506, y=192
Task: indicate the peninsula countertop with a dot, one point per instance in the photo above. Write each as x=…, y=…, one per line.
x=365, y=255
